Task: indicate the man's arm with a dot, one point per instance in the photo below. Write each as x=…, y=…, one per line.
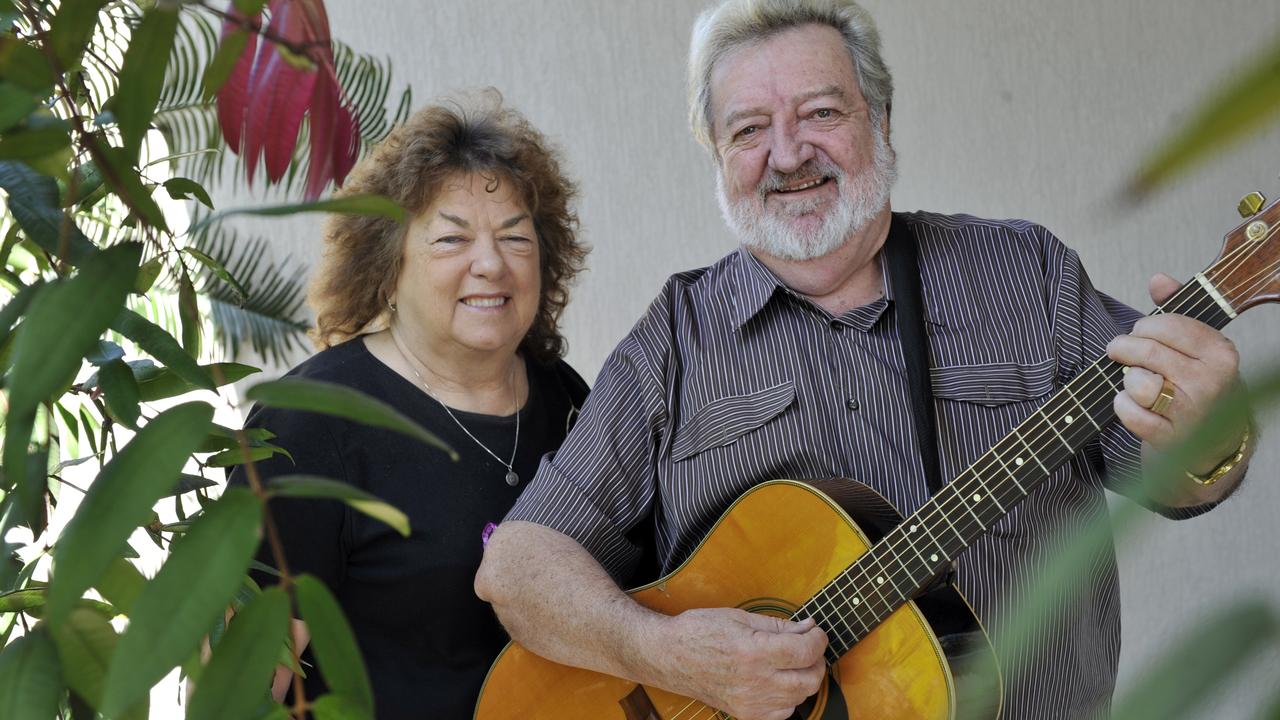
x=555, y=599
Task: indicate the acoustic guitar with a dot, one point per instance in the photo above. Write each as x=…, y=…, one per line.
x=903, y=643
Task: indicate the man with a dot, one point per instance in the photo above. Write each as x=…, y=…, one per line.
x=784, y=360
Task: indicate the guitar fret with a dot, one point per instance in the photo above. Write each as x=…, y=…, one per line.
x=1050, y=423
x=1083, y=409
x=1031, y=452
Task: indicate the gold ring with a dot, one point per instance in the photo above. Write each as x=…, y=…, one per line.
x=1164, y=399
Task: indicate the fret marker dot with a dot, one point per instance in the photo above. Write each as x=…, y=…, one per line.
x=977, y=497
x=880, y=580
x=911, y=529
x=1067, y=419
x=857, y=600
x=933, y=558
x=1017, y=461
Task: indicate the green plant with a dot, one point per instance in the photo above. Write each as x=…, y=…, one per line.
x=102, y=332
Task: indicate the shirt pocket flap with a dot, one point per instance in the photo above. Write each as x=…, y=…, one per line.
x=724, y=420
x=994, y=384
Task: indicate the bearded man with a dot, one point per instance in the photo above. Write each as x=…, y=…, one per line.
x=785, y=359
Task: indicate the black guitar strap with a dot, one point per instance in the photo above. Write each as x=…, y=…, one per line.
x=904, y=272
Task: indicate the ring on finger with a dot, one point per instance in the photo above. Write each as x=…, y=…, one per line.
x=1164, y=399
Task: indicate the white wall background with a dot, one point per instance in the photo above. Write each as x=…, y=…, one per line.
x=1036, y=109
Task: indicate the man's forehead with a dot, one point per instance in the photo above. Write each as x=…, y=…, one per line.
x=791, y=67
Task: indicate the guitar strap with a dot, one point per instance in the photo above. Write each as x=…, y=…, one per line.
x=904, y=272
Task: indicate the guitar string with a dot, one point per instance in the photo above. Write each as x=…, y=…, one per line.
x=1264, y=274
x=1226, y=265
x=1257, y=280
x=892, y=547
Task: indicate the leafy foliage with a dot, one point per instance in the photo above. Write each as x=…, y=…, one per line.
x=102, y=330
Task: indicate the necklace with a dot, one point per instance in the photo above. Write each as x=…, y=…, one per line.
x=512, y=477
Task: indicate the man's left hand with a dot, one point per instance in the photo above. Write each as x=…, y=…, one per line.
x=1197, y=362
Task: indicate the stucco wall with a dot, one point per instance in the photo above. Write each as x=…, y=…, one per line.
x=1033, y=109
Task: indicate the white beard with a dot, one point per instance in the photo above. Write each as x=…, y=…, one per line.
x=861, y=198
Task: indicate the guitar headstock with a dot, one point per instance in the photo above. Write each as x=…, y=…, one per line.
x=1247, y=271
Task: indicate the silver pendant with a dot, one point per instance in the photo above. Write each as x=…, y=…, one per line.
x=512, y=478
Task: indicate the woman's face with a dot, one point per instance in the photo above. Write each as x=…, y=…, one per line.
x=470, y=277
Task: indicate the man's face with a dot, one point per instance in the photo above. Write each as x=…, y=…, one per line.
x=801, y=167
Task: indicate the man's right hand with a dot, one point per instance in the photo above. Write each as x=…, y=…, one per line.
x=753, y=667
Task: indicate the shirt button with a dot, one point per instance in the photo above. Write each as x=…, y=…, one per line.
x=851, y=403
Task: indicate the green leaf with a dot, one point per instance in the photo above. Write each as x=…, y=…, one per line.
x=86, y=179
x=182, y=602
x=340, y=401
x=120, y=500
x=181, y=188
x=220, y=271
x=1186, y=675
x=166, y=383
x=33, y=201
x=121, y=584
x=310, y=486
x=159, y=344
x=35, y=143
x=373, y=205
x=16, y=306
x=86, y=643
x=21, y=600
x=333, y=644
x=147, y=275
x=189, y=314
x=106, y=352
x=116, y=380
x=142, y=75
x=25, y=66
x=30, y=678
x=235, y=456
x=62, y=325
x=338, y=707
x=117, y=170
x=1245, y=104
x=188, y=483
x=234, y=682
x=249, y=8
x=72, y=29
x=15, y=105
x=224, y=61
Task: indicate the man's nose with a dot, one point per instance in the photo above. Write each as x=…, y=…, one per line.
x=789, y=151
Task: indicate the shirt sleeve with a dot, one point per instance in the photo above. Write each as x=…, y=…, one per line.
x=1085, y=321
x=311, y=531
x=601, y=483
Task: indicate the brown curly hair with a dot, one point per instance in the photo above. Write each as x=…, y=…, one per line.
x=362, y=257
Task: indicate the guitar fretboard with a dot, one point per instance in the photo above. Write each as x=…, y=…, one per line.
x=909, y=557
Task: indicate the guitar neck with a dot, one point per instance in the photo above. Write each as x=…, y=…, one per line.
x=911, y=555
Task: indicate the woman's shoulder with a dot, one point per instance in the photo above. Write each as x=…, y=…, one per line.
x=558, y=377
x=341, y=363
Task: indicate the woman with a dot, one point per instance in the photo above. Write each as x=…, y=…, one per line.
x=450, y=317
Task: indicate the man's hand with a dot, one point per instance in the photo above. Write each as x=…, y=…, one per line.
x=754, y=667
x=1198, y=363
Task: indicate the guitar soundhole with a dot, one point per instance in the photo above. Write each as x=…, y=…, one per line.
x=826, y=704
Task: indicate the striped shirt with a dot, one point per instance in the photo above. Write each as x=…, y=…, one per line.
x=731, y=379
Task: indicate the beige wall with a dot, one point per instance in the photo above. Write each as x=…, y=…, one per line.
x=1035, y=109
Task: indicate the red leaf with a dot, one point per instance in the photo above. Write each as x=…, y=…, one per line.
x=324, y=125
x=347, y=146
x=233, y=96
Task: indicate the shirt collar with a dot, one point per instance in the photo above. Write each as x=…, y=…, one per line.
x=752, y=285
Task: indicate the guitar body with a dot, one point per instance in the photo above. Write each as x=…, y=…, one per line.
x=777, y=546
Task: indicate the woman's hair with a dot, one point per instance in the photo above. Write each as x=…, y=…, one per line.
x=362, y=257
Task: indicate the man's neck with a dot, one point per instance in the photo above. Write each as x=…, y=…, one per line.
x=843, y=279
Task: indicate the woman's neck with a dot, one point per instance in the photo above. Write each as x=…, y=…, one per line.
x=491, y=383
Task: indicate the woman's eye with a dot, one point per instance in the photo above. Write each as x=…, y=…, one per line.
x=517, y=239
x=450, y=240
x=746, y=132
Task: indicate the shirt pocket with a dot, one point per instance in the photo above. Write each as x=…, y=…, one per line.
x=723, y=420
x=981, y=404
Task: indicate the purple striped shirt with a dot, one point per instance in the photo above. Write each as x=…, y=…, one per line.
x=731, y=379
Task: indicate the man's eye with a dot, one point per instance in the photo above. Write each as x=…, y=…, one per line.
x=824, y=113
x=747, y=131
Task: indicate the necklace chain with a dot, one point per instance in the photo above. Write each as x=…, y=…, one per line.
x=512, y=478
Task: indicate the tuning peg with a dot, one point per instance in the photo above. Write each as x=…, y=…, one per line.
x=1251, y=204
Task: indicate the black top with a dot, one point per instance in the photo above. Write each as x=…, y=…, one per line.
x=426, y=638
